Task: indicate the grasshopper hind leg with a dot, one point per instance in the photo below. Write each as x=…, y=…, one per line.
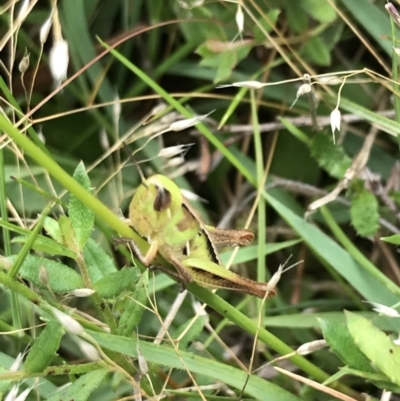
x=182, y=274
x=175, y=275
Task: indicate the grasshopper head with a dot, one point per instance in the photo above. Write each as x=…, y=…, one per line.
x=154, y=204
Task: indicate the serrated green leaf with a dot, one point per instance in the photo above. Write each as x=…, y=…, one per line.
x=81, y=216
x=81, y=388
x=98, y=262
x=375, y=345
x=364, y=213
x=61, y=278
x=114, y=284
x=52, y=228
x=192, y=333
x=342, y=344
x=45, y=347
x=329, y=156
x=134, y=308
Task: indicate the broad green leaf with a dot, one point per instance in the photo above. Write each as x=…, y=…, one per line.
x=322, y=11
x=311, y=320
x=45, y=347
x=81, y=216
x=342, y=344
x=249, y=252
x=296, y=16
x=133, y=308
x=98, y=262
x=47, y=245
x=329, y=156
x=115, y=283
x=81, y=388
x=371, y=286
x=372, y=16
x=61, y=278
x=375, y=345
x=392, y=239
x=166, y=356
x=379, y=379
x=226, y=62
x=316, y=49
x=364, y=213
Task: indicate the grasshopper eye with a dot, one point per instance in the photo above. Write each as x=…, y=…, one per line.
x=162, y=200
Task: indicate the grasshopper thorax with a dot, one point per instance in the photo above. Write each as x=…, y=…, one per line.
x=154, y=205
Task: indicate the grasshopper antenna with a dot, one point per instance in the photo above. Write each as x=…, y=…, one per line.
x=130, y=157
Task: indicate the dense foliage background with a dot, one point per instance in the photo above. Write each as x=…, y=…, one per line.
x=274, y=78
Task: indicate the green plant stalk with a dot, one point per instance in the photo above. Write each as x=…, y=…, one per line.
x=395, y=76
x=357, y=255
x=3, y=206
x=68, y=182
x=261, y=215
x=28, y=244
x=53, y=371
x=19, y=288
x=181, y=109
x=15, y=309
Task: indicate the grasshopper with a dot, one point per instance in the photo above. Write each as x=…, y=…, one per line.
x=160, y=214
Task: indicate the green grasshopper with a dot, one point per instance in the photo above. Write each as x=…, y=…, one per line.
x=160, y=214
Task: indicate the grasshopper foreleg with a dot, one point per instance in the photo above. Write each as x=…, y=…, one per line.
x=144, y=259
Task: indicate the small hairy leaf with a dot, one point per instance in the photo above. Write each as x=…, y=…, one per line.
x=81, y=216
x=45, y=347
x=114, y=284
x=133, y=310
x=364, y=213
x=329, y=156
x=81, y=388
x=375, y=345
x=61, y=278
x=68, y=234
x=53, y=229
x=98, y=262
